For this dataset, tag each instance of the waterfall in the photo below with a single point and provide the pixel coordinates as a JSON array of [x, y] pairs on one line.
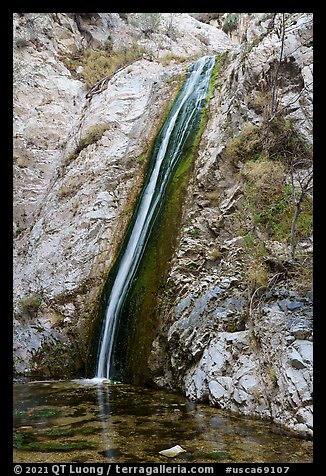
[[171, 142]]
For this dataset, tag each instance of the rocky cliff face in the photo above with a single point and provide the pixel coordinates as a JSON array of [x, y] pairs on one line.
[[79, 159], [235, 321], [237, 326]]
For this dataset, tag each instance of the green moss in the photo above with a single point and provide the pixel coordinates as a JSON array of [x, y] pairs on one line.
[[72, 431], [134, 338], [144, 296], [142, 158], [36, 414], [20, 442], [213, 455]]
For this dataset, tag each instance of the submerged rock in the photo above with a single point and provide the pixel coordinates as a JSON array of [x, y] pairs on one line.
[[174, 451]]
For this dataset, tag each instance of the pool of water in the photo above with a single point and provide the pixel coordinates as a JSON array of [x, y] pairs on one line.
[[83, 422]]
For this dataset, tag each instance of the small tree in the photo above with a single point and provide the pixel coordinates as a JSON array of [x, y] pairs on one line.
[[304, 179], [147, 22]]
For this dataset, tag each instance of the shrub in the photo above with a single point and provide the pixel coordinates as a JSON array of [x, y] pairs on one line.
[[271, 140], [93, 135], [257, 274], [214, 254], [256, 271], [30, 303], [269, 200], [246, 145], [194, 233], [100, 63], [213, 196], [266, 178], [230, 23], [169, 57]]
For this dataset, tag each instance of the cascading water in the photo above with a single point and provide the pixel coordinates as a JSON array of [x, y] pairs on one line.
[[173, 139]]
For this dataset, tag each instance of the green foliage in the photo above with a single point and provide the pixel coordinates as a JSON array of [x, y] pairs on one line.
[[19, 440], [269, 200], [231, 326], [246, 145], [230, 23], [57, 432], [215, 254], [194, 233], [20, 230], [147, 22], [142, 158], [256, 272], [264, 188], [30, 303], [267, 156]]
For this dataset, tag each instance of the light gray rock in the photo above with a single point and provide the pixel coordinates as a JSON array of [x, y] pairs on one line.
[[71, 208]]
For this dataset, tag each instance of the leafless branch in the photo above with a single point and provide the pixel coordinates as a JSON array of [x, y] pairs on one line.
[[289, 103], [274, 87]]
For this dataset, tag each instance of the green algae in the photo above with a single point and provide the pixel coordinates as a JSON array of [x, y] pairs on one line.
[[97, 314], [20, 441], [72, 431], [35, 414]]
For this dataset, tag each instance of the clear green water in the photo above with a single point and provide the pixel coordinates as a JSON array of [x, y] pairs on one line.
[[74, 421]]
